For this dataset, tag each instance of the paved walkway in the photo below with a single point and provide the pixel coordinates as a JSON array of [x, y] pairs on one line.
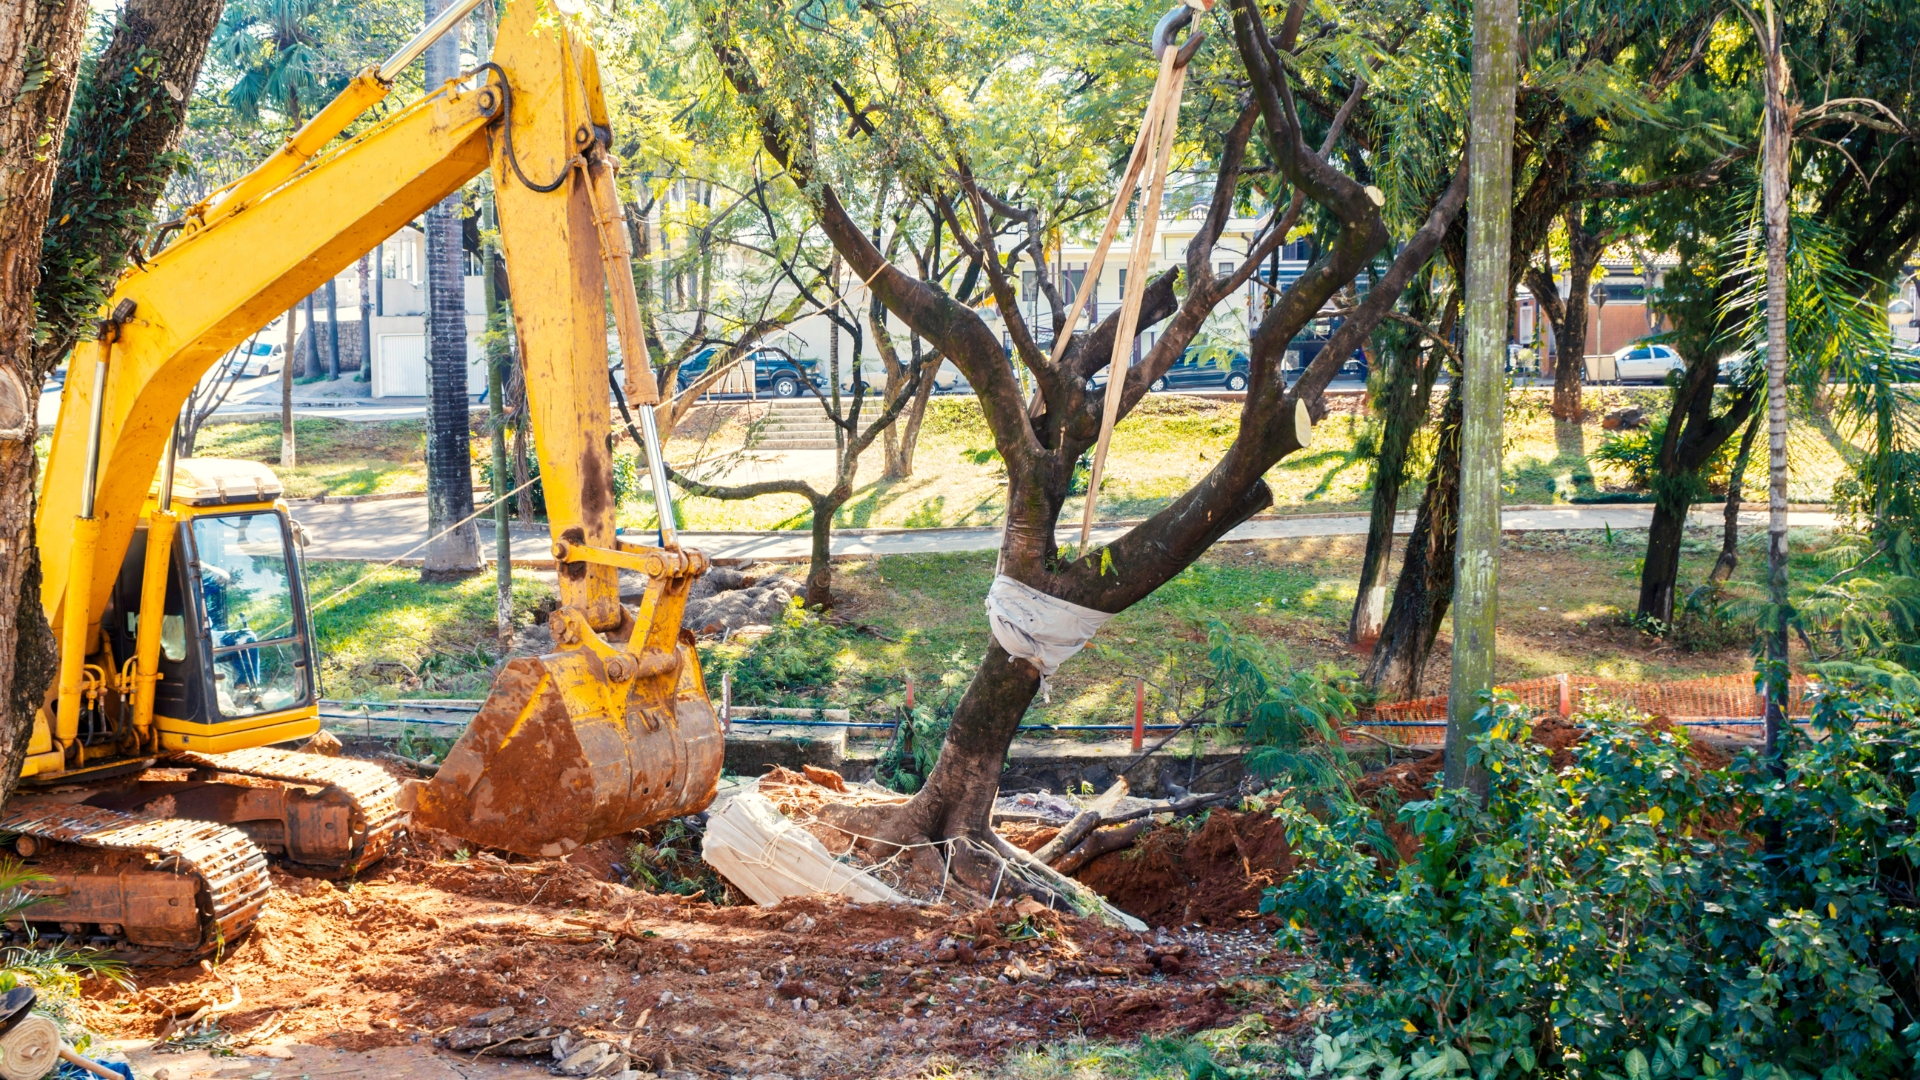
[[379, 530]]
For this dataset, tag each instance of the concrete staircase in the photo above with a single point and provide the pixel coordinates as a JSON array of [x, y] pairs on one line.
[[796, 424]]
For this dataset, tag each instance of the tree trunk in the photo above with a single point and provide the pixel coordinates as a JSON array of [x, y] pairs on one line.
[[497, 354], [820, 561], [1425, 587], [1693, 436], [1776, 152], [1569, 317], [900, 461], [365, 374], [333, 331], [1404, 406], [449, 439], [1488, 285], [127, 115], [287, 360], [449, 447], [1729, 559], [40, 46], [1660, 573], [310, 355]]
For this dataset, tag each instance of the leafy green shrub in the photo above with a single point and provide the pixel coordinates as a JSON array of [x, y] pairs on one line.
[[1709, 622], [1620, 918], [800, 656], [1290, 714], [1636, 452], [915, 746]]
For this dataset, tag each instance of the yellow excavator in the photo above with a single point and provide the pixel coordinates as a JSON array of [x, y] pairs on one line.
[[159, 776]]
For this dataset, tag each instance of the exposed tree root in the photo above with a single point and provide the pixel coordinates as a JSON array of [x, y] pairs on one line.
[[969, 868]]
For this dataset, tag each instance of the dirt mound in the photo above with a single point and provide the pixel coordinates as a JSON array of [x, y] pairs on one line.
[[1413, 781], [1028, 836], [812, 988], [1176, 875]]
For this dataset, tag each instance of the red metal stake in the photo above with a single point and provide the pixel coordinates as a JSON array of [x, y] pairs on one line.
[[1139, 712], [909, 691]]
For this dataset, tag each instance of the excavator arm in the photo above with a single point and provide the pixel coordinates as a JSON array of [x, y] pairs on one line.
[[611, 731]]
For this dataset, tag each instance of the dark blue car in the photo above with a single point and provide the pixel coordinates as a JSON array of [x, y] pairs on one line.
[[1206, 368], [774, 372]]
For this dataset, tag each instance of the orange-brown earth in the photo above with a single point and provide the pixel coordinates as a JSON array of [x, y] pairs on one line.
[[812, 988]]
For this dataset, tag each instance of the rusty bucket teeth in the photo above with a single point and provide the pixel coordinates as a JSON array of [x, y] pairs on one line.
[[562, 755]]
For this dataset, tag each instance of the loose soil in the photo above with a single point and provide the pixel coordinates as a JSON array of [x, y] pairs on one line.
[[1213, 875], [812, 988], [1210, 876]]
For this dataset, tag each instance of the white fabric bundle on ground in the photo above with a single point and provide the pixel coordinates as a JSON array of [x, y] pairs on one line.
[[769, 857], [1033, 626]]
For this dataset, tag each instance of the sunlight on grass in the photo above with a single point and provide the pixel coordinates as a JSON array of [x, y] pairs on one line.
[[396, 636]]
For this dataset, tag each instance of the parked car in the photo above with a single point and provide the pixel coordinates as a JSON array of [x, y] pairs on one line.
[[1647, 360], [1200, 368], [1306, 346], [774, 372], [256, 357], [1733, 366]]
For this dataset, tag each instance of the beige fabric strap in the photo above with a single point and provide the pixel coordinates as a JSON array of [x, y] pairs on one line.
[[1157, 133]]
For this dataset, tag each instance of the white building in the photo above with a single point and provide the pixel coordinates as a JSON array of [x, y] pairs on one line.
[[399, 319]]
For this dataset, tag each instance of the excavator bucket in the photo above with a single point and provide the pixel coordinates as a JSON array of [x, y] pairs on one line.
[[606, 734]]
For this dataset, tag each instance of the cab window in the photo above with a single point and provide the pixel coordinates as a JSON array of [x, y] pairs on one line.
[[246, 597]]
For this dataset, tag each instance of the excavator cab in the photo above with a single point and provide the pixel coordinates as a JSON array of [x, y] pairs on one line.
[[236, 654]]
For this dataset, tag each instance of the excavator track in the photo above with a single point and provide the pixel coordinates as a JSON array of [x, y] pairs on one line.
[[155, 890], [376, 817]]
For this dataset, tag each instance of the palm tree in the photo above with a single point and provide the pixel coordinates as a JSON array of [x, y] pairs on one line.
[[274, 49], [449, 451]]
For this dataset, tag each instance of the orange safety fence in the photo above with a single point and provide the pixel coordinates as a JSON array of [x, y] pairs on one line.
[[1694, 702]]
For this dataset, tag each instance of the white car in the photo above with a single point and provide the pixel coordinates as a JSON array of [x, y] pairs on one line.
[[1644, 361]]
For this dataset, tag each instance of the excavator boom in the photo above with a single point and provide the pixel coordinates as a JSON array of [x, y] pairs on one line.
[[610, 732]]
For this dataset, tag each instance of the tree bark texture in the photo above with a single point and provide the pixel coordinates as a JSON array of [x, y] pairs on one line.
[[1776, 159], [1693, 436], [1569, 317], [1425, 586], [310, 352], [287, 360], [1729, 560], [1489, 282], [365, 374], [333, 330], [118, 154], [449, 441], [449, 447], [40, 47], [1404, 404]]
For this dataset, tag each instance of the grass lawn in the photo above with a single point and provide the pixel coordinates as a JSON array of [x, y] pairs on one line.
[[334, 457], [1158, 452], [382, 633], [1564, 601]]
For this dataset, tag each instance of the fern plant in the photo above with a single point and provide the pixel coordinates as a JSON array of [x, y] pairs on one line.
[[1292, 715]]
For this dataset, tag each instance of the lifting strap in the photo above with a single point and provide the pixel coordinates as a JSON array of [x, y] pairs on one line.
[[1155, 145]]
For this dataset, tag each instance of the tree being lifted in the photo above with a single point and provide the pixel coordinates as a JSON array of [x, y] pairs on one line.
[[1047, 600]]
